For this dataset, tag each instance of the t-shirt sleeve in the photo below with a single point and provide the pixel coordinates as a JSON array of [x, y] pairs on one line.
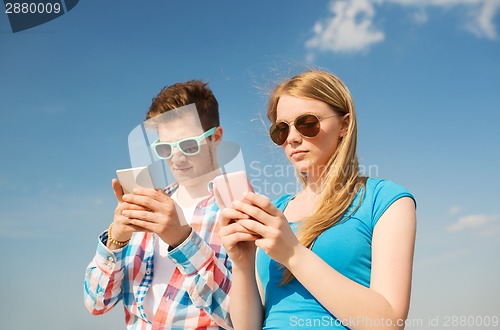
[[282, 201], [385, 193]]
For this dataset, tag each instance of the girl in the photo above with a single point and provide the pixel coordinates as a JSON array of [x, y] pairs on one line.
[[337, 254]]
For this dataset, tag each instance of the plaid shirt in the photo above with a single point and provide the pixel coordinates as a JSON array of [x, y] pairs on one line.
[[197, 294]]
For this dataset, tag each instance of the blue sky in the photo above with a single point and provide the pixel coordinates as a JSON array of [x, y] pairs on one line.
[[425, 76]]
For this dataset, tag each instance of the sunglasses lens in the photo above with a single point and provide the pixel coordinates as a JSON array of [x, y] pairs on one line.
[[279, 132], [190, 147], [164, 150], [307, 125]]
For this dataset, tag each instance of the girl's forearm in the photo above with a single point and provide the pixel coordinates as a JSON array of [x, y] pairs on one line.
[[245, 305], [360, 307]]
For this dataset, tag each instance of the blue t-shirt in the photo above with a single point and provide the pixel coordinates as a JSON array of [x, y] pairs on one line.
[[347, 247]]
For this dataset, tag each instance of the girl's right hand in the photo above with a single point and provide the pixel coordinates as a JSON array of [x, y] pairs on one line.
[[236, 239]]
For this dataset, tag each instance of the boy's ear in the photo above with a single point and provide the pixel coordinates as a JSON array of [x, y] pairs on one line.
[[217, 136]]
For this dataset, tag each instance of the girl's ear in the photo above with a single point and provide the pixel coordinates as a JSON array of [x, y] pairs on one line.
[[345, 120]]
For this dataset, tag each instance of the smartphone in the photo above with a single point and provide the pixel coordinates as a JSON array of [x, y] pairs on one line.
[[134, 177], [229, 187]]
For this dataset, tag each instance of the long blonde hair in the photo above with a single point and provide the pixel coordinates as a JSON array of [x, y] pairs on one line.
[[340, 179]]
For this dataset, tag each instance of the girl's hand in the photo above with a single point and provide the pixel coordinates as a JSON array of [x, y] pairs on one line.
[[236, 239], [277, 238]]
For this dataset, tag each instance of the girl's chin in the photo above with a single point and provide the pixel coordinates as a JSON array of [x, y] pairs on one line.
[[308, 169]]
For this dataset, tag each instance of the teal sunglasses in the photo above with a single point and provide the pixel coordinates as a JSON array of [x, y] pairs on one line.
[[189, 146]]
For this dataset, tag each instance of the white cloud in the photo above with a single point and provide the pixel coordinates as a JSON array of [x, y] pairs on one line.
[[420, 16], [490, 231], [482, 20], [455, 209], [480, 13], [477, 222], [351, 27], [349, 30]]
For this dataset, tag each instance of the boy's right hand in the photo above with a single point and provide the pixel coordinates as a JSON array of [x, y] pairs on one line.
[[122, 231]]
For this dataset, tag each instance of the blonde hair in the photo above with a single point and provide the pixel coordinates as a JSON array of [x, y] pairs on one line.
[[340, 178]]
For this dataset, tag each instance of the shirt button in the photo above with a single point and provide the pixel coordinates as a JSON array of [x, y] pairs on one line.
[[110, 258], [148, 272], [100, 293], [174, 260]]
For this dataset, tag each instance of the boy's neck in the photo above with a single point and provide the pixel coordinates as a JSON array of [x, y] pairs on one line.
[[196, 189]]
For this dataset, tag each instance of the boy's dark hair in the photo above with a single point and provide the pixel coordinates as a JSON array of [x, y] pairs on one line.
[[181, 94]]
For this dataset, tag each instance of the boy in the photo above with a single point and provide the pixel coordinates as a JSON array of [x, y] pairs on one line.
[[170, 273]]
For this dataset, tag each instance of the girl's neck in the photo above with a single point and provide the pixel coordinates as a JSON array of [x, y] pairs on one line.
[[308, 194], [313, 186]]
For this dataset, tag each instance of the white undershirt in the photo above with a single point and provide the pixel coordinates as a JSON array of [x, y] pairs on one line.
[[163, 267]]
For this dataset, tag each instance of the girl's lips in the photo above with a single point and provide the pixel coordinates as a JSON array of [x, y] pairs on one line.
[[298, 153]]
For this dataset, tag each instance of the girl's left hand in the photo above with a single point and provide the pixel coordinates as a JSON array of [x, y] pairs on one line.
[[278, 239]]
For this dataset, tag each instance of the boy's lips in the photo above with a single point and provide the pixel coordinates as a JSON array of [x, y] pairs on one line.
[[183, 169]]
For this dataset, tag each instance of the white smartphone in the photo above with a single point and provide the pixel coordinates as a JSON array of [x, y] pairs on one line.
[[230, 187], [131, 178]]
